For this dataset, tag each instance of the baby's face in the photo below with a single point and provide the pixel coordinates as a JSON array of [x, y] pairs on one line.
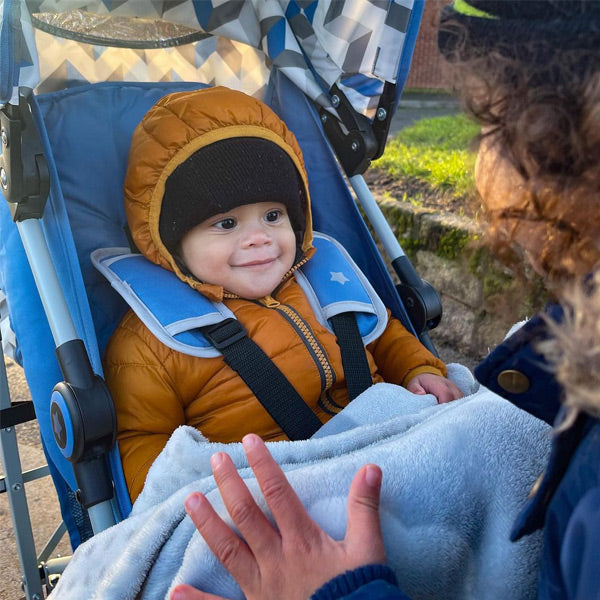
[[247, 250]]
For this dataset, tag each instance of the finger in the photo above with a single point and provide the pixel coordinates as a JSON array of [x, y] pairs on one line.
[[241, 506], [221, 539], [187, 592], [287, 509], [444, 396], [416, 388], [363, 533], [449, 393], [457, 393]]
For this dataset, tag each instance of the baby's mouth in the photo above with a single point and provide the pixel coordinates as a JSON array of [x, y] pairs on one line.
[[257, 263]]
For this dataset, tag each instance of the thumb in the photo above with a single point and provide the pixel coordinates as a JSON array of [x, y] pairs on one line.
[[363, 533]]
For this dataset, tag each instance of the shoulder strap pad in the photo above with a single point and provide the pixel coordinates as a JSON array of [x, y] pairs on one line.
[[150, 291], [334, 284]]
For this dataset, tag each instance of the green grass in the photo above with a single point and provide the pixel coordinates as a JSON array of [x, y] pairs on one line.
[[435, 151]]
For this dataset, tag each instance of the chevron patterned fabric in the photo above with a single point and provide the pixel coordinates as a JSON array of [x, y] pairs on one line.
[[316, 43]]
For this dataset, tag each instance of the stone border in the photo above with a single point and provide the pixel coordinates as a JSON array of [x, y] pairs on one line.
[[481, 298]]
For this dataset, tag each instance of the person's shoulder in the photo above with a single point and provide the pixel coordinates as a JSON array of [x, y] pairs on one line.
[[574, 518]]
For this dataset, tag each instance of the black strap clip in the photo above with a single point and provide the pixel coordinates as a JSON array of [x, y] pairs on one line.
[[224, 334]]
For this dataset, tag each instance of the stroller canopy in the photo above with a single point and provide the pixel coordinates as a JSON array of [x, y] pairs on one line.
[[357, 45]]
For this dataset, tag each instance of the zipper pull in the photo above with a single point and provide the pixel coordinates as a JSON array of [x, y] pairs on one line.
[[270, 302]]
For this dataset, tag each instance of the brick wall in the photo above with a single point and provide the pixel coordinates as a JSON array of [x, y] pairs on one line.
[[427, 68]]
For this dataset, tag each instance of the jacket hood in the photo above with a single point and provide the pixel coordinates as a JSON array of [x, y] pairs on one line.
[[574, 349], [172, 130]]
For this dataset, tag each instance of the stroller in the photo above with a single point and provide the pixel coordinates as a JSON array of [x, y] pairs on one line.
[[75, 79]]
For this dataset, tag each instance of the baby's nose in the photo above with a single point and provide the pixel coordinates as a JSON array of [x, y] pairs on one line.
[[256, 235]]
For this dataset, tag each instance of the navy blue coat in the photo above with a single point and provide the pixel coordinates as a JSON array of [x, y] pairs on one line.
[[566, 502]]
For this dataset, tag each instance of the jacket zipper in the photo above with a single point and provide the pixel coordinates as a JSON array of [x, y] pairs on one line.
[[307, 336]]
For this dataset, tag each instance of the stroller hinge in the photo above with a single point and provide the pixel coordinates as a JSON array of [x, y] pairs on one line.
[[383, 117], [421, 300], [354, 138], [84, 422], [24, 176]]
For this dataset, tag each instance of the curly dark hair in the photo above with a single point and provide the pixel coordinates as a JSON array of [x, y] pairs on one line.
[[539, 101]]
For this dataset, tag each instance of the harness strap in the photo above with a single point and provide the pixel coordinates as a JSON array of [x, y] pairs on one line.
[[267, 382], [354, 357]]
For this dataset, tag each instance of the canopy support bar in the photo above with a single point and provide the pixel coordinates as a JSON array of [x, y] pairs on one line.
[[420, 299]]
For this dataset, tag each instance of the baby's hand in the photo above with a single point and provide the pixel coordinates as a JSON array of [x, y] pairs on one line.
[[428, 383]]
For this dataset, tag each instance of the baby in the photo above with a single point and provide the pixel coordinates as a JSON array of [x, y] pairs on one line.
[[216, 192]]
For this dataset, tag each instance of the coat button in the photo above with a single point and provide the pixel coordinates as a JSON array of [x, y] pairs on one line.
[[513, 381]]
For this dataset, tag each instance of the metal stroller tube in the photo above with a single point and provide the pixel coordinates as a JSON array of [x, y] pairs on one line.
[[64, 333], [421, 301], [44, 273], [376, 218]]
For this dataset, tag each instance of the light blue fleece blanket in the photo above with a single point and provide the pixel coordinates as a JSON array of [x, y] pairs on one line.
[[455, 477]]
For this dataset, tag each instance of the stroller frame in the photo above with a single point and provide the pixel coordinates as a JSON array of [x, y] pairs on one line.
[[26, 188]]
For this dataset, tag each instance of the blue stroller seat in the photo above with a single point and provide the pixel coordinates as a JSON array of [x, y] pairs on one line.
[[84, 132]]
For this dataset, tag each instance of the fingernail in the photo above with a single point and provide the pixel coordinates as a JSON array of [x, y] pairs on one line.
[[250, 441], [178, 594], [216, 459], [192, 502], [373, 476]]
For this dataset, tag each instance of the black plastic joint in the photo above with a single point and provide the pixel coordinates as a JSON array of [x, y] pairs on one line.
[[83, 420], [420, 299], [84, 423], [94, 484], [351, 136], [75, 364], [24, 175], [422, 305], [383, 117], [81, 408]]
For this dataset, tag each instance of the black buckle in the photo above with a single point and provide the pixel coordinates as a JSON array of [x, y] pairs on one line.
[[224, 334]]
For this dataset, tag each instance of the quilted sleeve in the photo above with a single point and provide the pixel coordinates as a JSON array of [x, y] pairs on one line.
[[146, 400], [400, 356]]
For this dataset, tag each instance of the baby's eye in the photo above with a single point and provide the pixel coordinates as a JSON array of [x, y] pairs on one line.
[[274, 215], [225, 224]]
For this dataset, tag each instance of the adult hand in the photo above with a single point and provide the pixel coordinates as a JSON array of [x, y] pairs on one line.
[[293, 560], [428, 383]]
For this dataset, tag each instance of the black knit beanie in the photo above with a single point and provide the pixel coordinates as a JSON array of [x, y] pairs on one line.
[[511, 27], [227, 174]]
